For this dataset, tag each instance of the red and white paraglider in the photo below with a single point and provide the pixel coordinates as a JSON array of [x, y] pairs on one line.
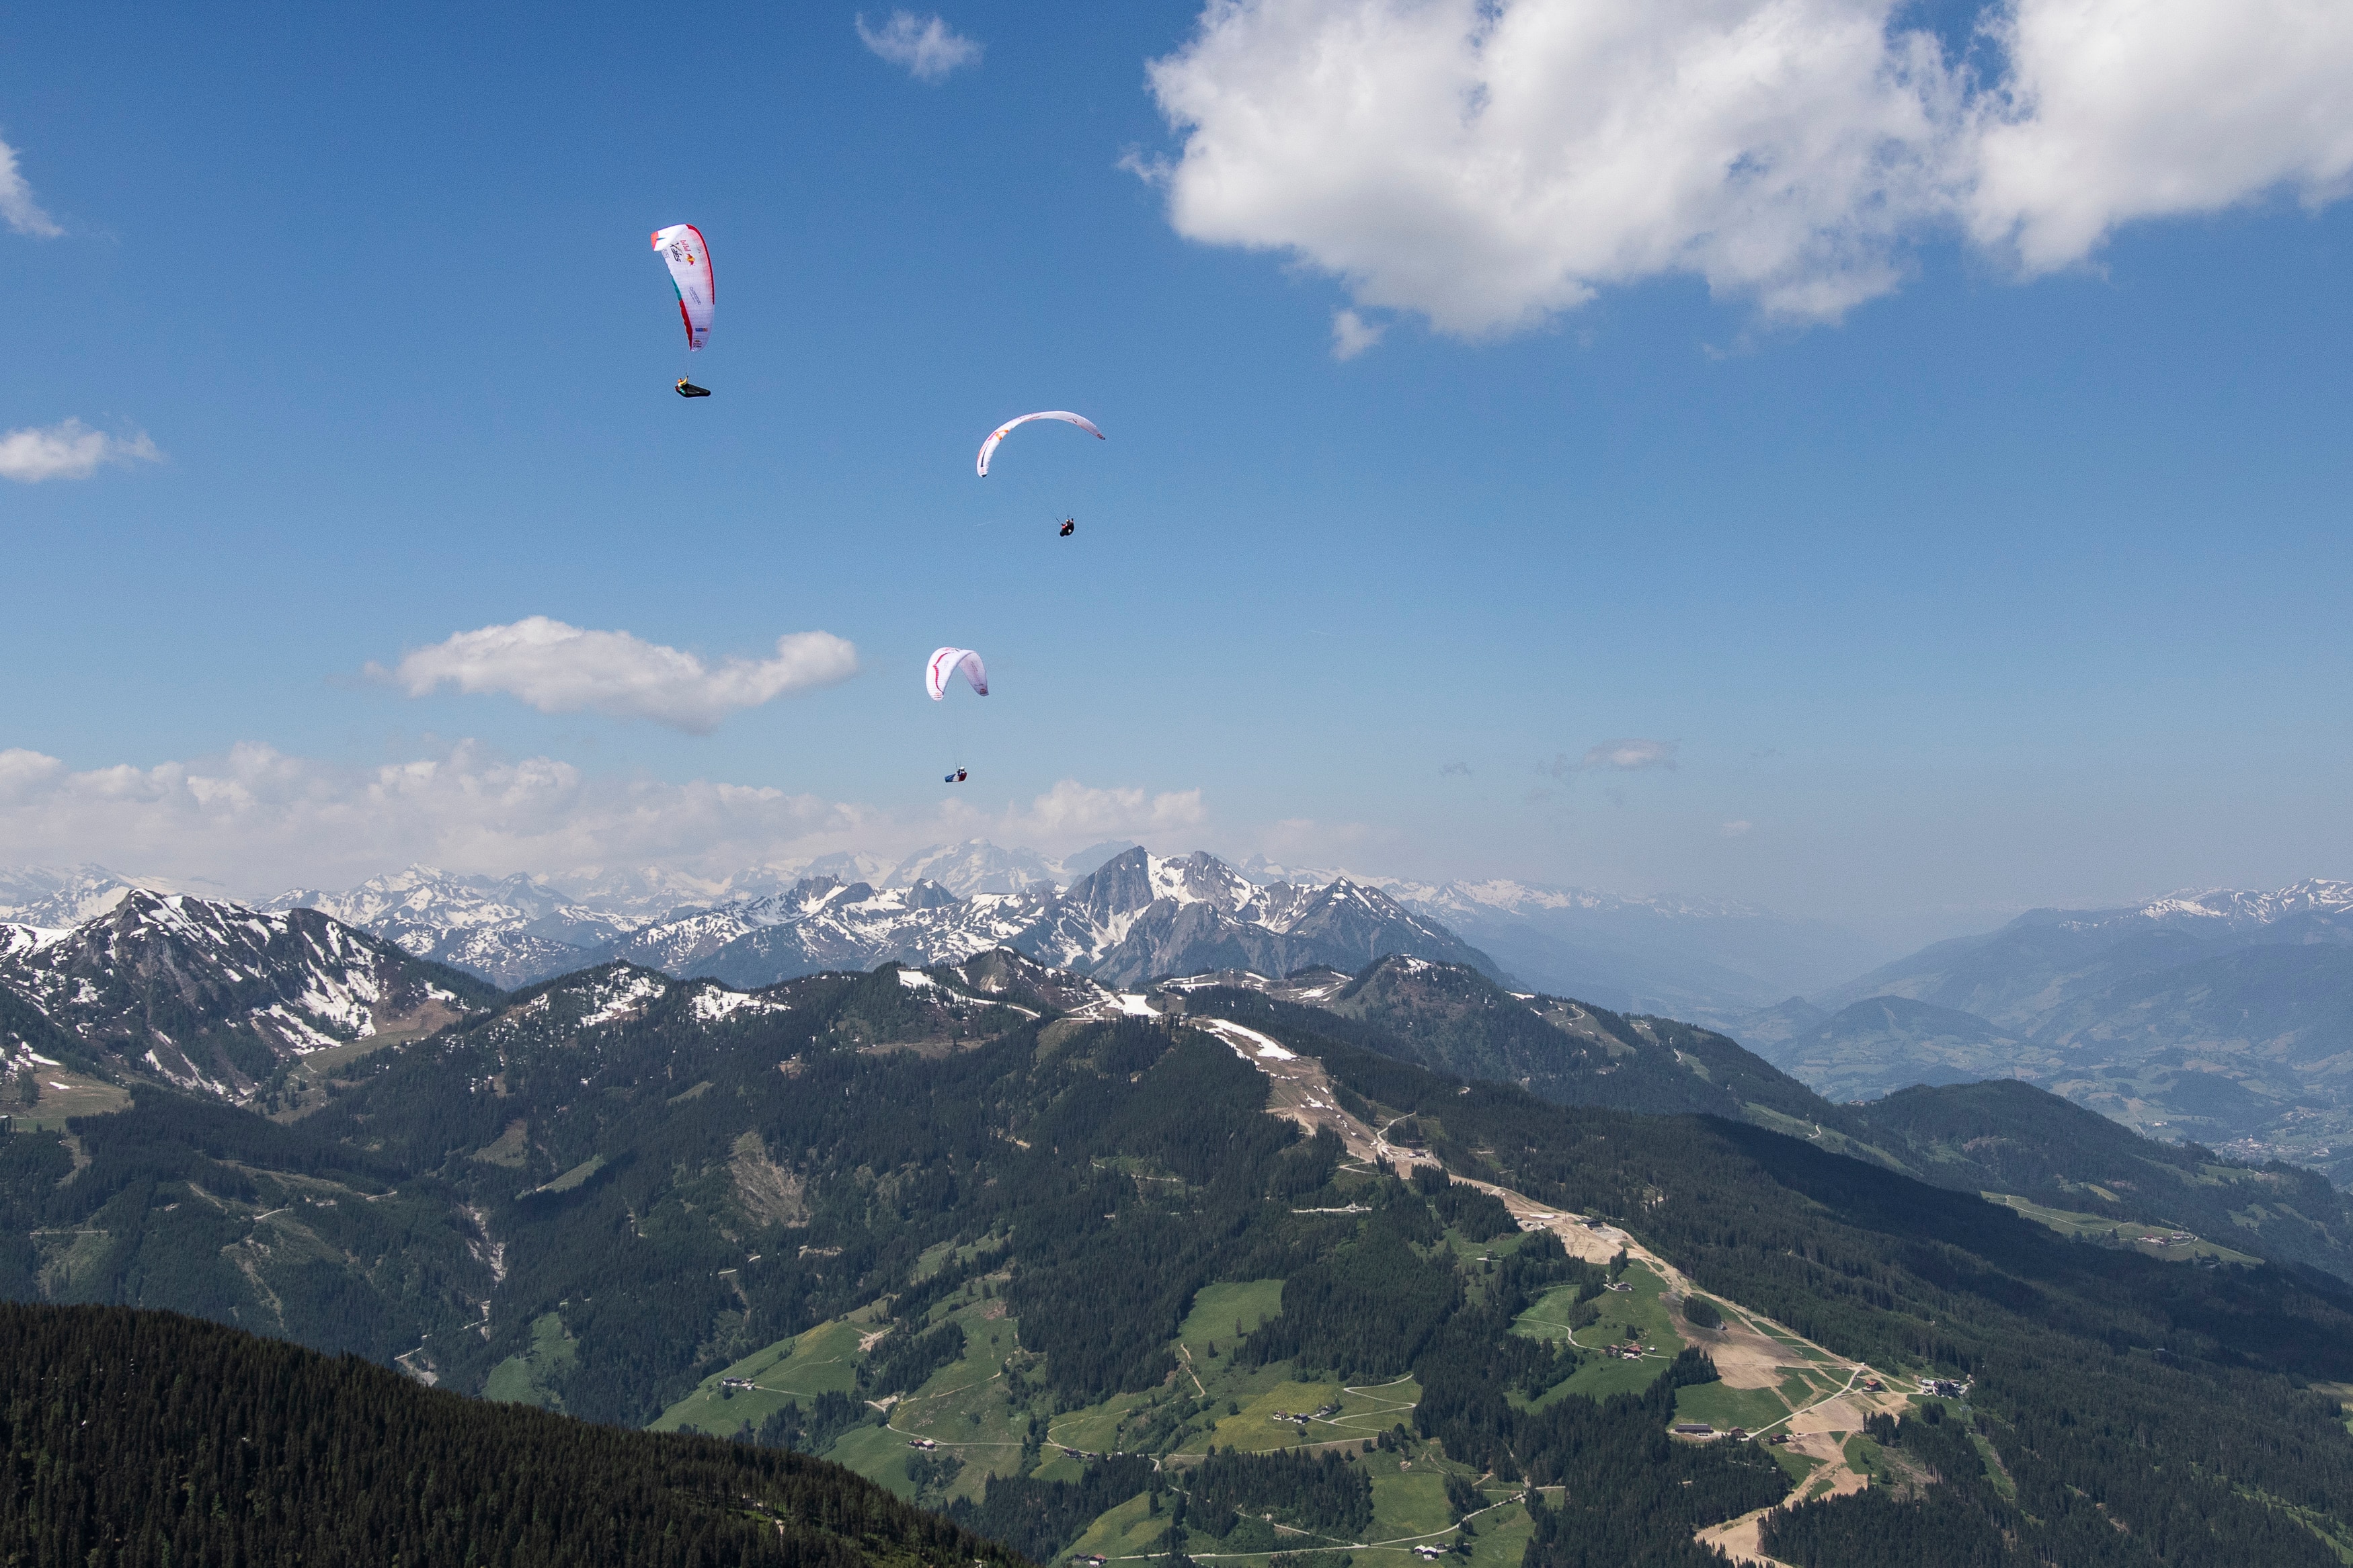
[[950, 662], [940, 672], [988, 447], [1070, 525], [682, 248]]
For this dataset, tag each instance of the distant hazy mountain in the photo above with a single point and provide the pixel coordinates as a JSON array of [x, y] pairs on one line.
[[2221, 1016], [56, 896], [2019, 974], [509, 931], [977, 865], [1704, 960], [1881, 1044]]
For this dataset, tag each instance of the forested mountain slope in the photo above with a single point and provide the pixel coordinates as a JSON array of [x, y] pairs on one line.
[[2102, 1383], [1010, 1213], [1454, 1019], [145, 1439], [2083, 1171]]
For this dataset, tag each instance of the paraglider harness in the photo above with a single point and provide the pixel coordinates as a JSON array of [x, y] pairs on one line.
[[1070, 526], [955, 777], [688, 389]]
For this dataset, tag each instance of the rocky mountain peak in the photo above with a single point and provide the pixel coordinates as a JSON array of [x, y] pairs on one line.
[[216, 995]]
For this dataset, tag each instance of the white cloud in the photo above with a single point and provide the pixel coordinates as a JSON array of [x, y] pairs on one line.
[[67, 449], [1491, 162], [926, 45], [1630, 755], [560, 668], [1073, 813], [1352, 334], [257, 820], [1735, 829], [17, 207], [2119, 109]]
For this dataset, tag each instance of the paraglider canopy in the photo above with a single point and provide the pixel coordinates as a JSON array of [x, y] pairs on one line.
[[988, 446], [944, 665], [681, 250]]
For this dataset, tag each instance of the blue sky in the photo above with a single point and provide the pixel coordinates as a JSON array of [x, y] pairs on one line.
[[1999, 588]]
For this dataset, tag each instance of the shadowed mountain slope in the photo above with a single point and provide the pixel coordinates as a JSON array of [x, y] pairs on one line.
[[162, 1439]]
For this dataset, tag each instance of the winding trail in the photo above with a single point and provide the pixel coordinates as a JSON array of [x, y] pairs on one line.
[[1750, 1352]]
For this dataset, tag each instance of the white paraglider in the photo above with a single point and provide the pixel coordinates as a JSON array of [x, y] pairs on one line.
[[946, 663], [682, 250], [988, 447]]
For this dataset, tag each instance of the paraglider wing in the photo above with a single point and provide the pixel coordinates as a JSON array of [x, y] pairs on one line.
[[688, 260], [946, 662], [988, 446]]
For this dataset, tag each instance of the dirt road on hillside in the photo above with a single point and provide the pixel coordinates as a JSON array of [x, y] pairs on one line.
[[1750, 1352]]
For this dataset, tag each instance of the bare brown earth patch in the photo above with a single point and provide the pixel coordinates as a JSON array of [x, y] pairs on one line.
[[769, 1193]]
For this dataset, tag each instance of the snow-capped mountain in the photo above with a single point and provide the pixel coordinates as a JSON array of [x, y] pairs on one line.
[[516, 929], [1706, 960], [1134, 917], [825, 923], [216, 996], [1113, 909], [2323, 903], [58, 896], [1138, 917], [511, 932], [975, 866]]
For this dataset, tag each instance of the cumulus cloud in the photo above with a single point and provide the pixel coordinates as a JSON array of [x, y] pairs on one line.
[[258, 820], [17, 207], [1630, 756], [1488, 164], [2119, 109], [561, 669], [68, 450], [1352, 334], [1073, 813], [926, 45]]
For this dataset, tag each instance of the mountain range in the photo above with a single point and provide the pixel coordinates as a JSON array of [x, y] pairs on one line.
[[1708, 961], [1354, 1259], [269, 1009], [2225, 1017], [2221, 1017]]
